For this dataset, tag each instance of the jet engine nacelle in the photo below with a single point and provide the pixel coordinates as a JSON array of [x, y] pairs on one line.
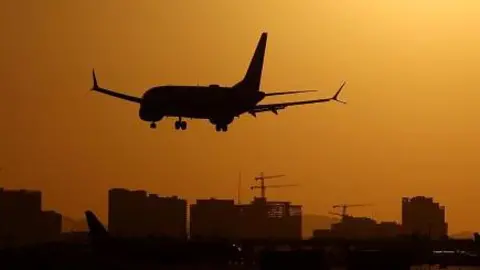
[[150, 115], [221, 121]]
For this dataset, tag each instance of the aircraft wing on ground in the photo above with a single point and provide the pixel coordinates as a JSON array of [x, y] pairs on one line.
[[274, 107], [111, 92]]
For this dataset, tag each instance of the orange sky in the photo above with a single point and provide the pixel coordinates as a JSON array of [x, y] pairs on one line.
[[410, 127]]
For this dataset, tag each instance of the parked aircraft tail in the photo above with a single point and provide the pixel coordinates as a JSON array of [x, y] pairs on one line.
[[252, 79], [96, 230]]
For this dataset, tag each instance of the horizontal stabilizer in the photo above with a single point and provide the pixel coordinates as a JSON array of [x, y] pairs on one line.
[[288, 93], [275, 107]]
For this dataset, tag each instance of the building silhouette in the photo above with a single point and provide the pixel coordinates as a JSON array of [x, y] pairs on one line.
[[355, 227], [167, 216], [422, 216], [214, 219], [388, 229], [260, 219], [360, 228], [270, 219], [23, 221], [138, 214]]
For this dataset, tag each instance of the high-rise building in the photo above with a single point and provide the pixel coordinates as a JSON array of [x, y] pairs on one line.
[[262, 219], [126, 212], [423, 217], [167, 216], [136, 214], [214, 218], [23, 221]]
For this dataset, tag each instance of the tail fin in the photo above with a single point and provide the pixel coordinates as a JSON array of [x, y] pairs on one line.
[[253, 77], [96, 230]]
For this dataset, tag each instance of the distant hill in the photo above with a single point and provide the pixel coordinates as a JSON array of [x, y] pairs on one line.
[[70, 225], [309, 223], [462, 235], [315, 222]]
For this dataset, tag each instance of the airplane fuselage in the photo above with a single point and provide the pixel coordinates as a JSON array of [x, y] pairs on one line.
[[215, 103]]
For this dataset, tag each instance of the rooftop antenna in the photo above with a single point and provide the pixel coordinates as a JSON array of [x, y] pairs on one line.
[[239, 188]]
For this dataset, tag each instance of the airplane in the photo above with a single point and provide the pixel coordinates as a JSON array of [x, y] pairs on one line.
[[218, 104], [157, 250]]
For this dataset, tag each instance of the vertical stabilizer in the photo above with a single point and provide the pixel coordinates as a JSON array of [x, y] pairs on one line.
[[96, 230], [252, 79]]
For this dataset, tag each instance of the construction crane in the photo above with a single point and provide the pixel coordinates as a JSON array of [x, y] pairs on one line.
[[264, 188], [345, 207], [262, 185]]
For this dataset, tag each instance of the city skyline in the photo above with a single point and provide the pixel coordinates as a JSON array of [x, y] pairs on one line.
[[409, 126], [119, 194]]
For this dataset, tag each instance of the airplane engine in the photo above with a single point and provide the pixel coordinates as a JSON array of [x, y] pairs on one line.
[[221, 121], [150, 115], [221, 124]]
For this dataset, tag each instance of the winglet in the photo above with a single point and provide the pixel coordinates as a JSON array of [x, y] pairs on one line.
[[95, 83], [335, 97]]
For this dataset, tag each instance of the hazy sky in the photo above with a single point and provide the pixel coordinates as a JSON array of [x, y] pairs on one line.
[[410, 127]]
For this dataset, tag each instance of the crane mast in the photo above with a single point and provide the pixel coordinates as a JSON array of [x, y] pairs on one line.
[[261, 178]]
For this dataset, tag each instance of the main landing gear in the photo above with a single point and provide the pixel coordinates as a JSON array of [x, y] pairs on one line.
[[221, 123], [180, 124], [221, 128]]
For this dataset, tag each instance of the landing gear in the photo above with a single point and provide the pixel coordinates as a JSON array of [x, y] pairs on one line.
[[220, 128], [153, 125], [180, 124], [221, 123]]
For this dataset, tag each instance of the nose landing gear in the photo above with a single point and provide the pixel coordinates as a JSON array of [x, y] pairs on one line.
[[153, 125]]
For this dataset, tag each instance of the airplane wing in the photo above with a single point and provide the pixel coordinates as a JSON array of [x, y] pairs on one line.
[[111, 92], [274, 107]]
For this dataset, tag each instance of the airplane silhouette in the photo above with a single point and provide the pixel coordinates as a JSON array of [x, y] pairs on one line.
[[158, 250], [218, 104]]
